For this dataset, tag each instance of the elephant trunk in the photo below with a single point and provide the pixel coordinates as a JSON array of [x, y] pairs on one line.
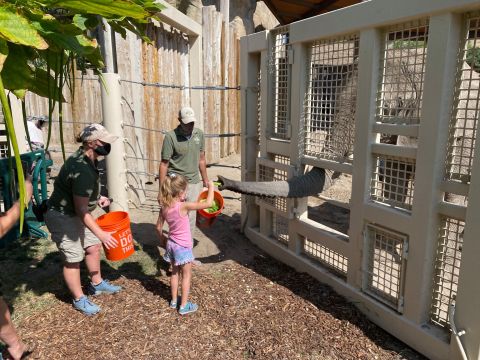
[[312, 183]]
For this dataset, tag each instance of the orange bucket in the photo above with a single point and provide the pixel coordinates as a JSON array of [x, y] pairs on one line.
[[118, 223], [204, 218]]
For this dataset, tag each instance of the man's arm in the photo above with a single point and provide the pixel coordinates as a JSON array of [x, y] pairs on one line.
[[202, 166], [162, 172]]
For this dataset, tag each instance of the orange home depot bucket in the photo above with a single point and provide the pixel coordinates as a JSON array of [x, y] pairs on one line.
[[118, 223], [204, 218]]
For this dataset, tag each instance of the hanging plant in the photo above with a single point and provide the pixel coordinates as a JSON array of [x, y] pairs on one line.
[[39, 41]]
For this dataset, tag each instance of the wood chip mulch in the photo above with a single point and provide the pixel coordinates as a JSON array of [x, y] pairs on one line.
[[260, 310]]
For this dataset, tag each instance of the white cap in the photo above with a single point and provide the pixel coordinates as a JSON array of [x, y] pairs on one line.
[[186, 115], [97, 132]]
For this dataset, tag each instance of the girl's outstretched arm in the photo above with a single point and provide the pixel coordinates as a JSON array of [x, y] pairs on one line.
[[200, 205]]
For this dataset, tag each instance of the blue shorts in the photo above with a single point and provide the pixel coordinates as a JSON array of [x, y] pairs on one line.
[[177, 255]]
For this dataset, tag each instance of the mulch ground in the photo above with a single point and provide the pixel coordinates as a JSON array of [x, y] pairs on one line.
[[263, 310]]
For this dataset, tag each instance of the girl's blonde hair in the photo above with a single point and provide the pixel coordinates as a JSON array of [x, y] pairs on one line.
[[171, 188]]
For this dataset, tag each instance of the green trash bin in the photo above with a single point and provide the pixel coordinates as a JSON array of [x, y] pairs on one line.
[[37, 162]]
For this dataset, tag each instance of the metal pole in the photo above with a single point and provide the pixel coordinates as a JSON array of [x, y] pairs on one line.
[[112, 119], [107, 46]]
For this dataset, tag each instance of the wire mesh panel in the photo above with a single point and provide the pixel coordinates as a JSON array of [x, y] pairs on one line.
[[447, 269], [463, 122], [268, 172], [385, 265], [335, 262], [280, 228], [279, 71], [331, 98], [403, 72], [393, 181]]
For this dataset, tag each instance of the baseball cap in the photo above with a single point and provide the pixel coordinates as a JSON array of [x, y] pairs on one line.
[[96, 132], [187, 115]]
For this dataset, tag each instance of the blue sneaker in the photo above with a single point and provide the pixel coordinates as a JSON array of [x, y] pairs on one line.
[[103, 288], [85, 306], [188, 308]]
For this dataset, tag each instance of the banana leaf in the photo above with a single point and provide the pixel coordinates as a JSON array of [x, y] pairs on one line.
[[16, 29], [109, 9]]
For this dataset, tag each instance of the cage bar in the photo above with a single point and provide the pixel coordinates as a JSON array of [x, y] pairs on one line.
[[403, 71], [447, 269], [279, 70], [280, 228], [463, 122], [393, 181], [333, 261], [331, 98], [384, 267]]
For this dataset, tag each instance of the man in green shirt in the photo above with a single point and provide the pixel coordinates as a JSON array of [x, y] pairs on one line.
[[183, 152]]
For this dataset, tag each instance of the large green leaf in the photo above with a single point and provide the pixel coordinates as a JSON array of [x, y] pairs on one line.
[[3, 52], [47, 24], [16, 72], [86, 22], [16, 29], [112, 9], [18, 76]]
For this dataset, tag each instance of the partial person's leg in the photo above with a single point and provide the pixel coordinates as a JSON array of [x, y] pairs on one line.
[[71, 275], [67, 233], [8, 334], [186, 282], [92, 260], [192, 196], [174, 282]]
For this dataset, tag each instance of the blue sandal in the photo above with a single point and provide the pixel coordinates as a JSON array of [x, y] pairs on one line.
[[188, 308]]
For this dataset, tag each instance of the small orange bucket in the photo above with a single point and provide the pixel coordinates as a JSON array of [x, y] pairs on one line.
[[118, 223], [204, 218]]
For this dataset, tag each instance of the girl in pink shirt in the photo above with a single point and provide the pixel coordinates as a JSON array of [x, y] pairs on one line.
[[174, 210]]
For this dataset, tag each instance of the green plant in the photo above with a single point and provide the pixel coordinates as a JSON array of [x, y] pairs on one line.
[[472, 58], [40, 40]]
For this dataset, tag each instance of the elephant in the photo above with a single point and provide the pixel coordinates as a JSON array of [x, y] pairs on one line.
[[337, 84]]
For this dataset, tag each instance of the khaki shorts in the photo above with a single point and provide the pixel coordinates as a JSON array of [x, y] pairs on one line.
[[70, 234]]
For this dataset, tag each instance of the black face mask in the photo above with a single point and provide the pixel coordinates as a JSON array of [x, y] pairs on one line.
[[103, 150]]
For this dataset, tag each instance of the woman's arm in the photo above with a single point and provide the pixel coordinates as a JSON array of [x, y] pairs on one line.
[[11, 216], [81, 208], [9, 219]]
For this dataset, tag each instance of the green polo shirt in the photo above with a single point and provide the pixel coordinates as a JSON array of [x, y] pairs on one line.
[[78, 176], [183, 153]]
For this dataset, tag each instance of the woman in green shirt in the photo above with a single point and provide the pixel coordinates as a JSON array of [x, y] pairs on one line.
[[69, 217]]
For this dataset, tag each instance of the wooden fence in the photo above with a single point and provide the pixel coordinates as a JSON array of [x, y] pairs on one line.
[[155, 84]]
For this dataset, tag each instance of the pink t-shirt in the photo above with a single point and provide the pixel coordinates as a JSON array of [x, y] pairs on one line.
[[178, 225]]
